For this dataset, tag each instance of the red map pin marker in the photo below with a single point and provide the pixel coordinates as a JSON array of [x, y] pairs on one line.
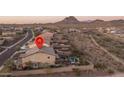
[[39, 41]]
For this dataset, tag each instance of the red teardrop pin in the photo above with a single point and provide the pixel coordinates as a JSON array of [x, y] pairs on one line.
[[39, 41]]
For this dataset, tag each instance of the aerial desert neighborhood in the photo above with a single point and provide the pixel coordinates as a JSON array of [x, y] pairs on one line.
[[66, 48]]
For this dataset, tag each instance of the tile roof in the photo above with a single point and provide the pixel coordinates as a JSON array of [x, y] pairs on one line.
[[47, 50]]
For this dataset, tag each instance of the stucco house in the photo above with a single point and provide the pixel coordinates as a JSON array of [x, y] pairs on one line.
[[47, 36], [35, 55], [8, 33]]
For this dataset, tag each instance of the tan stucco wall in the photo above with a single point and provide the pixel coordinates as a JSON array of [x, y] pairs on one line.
[[8, 33], [40, 57]]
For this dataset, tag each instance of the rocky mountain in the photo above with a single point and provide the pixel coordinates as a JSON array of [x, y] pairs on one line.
[[91, 23], [69, 20]]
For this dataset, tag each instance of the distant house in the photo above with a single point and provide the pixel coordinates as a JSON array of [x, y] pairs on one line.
[[113, 31], [119, 32], [23, 47], [73, 30], [47, 36], [35, 55], [8, 37], [64, 41], [64, 53], [38, 29], [18, 29], [8, 33]]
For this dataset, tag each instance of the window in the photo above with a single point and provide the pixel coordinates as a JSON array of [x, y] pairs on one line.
[[49, 57]]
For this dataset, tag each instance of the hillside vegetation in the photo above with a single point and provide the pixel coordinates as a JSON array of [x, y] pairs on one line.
[[89, 52], [114, 46]]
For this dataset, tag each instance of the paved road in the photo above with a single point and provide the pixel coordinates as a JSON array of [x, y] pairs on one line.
[[8, 52]]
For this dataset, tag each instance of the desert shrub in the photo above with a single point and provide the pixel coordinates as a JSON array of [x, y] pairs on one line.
[[77, 71], [83, 60], [17, 48], [8, 66], [110, 71], [100, 66], [121, 69]]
